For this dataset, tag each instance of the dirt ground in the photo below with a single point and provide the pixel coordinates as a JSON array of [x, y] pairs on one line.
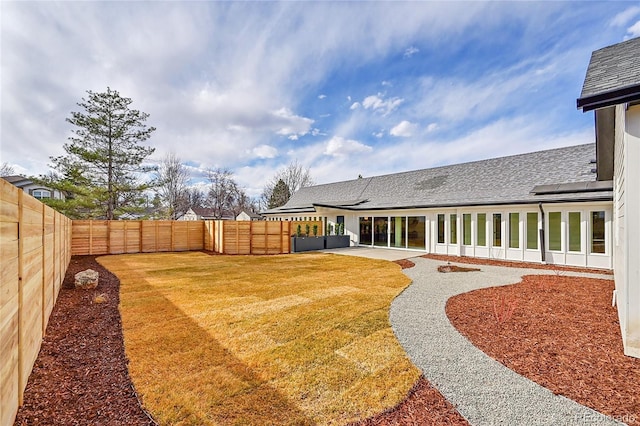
[[81, 378]]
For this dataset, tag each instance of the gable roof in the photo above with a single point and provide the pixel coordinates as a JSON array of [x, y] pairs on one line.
[[613, 76], [562, 174]]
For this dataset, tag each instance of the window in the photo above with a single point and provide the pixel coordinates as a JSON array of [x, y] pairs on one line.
[[380, 227], [514, 230], [416, 232], [555, 231], [365, 231], [597, 232], [339, 219], [574, 232], [453, 228], [497, 230], [532, 230], [397, 230], [41, 193], [440, 229], [466, 229], [482, 229]]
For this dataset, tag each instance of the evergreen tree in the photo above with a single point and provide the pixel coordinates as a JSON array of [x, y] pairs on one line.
[[280, 194], [101, 174]]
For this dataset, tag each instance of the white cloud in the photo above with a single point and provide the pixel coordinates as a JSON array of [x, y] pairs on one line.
[[378, 134], [403, 129], [339, 147], [379, 104], [409, 52], [322, 96], [354, 106], [623, 18], [265, 151], [633, 31]]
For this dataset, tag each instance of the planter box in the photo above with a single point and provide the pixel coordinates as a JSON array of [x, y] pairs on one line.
[[299, 244], [336, 241]]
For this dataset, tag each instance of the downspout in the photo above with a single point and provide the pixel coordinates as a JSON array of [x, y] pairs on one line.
[[542, 247]]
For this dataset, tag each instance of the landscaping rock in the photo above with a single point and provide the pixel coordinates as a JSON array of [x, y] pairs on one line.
[[86, 279]]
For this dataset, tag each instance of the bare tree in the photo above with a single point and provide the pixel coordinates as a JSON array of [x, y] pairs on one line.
[[223, 192], [294, 176], [6, 169], [172, 178]]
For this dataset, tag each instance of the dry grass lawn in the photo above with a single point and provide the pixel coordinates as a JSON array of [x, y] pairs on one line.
[[292, 339]]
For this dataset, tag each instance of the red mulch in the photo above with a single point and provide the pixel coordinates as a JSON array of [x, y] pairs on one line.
[[80, 376], [560, 332], [455, 268], [405, 263], [512, 264]]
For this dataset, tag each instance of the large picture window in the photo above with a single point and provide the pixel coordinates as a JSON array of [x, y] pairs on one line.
[[598, 243], [482, 229], [380, 229], [514, 230], [440, 229], [575, 244], [555, 231], [365, 231], [416, 232], [398, 230], [466, 229], [532, 230]]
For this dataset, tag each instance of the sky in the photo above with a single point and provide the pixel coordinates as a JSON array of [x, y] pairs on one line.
[[343, 88]]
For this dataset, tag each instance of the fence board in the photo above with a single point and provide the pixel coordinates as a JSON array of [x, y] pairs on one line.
[[35, 251]]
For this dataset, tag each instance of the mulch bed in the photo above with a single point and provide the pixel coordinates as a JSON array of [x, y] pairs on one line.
[[405, 263], [455, 268], [560, 332], [512, 264], [80, 376]]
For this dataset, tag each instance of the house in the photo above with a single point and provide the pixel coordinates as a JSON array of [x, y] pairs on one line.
[[612, 90], [198, 213], [35, 190], [545, 206], [247, 216]]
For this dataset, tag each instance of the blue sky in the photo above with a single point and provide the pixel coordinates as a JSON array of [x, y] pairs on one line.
[[344, 88]]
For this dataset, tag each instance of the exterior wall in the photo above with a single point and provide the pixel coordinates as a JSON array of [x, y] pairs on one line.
[[519, 252], [189, 215], [627, 225]]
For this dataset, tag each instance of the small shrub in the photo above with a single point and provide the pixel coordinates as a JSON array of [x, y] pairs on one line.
[[307, 228], [299, 231], [315, 230], [341, 229], [503, 308]]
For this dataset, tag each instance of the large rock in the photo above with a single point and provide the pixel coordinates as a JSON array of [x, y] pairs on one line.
[[87, 279]]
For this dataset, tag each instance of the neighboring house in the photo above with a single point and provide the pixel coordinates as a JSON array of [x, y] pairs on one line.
[[35, 190], [246, 216], [542, 206], [612, 90], [198, 213]]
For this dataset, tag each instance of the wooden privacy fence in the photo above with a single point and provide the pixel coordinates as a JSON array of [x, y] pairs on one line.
[[257, 237], [135, 236], [35, 250], [148, 236]]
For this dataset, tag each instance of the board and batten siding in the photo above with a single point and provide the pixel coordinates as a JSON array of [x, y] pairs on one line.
[[627, 225]]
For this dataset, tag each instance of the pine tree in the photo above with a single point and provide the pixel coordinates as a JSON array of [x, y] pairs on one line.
[[280, 194], [102, 173]]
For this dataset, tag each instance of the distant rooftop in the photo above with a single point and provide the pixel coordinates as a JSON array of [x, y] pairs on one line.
[[557, 175], [613, 76]]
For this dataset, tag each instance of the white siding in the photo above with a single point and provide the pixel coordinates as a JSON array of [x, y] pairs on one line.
[[627, 225]]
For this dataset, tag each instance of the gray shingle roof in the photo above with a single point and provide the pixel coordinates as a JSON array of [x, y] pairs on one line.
[[506, 180], [613, 76]]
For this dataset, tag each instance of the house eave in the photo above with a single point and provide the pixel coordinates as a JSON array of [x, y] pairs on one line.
[[611, 98]]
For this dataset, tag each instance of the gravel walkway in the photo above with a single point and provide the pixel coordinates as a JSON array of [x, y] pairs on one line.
[[484, 391]]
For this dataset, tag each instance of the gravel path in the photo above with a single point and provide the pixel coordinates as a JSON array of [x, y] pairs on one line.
[[484, 391]]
